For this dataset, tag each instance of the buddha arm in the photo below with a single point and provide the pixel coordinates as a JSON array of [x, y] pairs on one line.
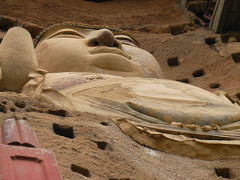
[[17, 59]]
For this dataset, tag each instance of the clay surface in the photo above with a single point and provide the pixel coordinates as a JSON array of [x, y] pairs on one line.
[[100, 147]]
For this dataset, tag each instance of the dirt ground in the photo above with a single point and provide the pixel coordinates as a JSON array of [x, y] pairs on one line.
[[123, 13], [100, 150]]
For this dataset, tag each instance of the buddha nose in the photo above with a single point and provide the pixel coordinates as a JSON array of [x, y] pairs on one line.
[[103, 37]]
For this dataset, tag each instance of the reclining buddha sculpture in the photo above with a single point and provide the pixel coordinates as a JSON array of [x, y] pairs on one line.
[[86, 69]]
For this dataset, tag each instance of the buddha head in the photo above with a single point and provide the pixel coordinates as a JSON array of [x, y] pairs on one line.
[[71, 48]]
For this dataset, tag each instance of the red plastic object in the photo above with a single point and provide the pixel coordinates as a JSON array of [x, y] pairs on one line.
[[21, 163], [18, 133], [20, 159]]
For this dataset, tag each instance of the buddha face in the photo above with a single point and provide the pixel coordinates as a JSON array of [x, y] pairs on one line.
[[98, 51]]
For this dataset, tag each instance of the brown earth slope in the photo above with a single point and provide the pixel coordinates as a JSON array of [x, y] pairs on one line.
[[101, 151], [122, 13]]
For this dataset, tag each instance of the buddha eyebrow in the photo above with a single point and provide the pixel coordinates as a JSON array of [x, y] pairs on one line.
[[73, 33], [67, 32]]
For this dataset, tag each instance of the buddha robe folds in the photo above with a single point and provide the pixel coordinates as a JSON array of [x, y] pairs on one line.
[[163, 114]]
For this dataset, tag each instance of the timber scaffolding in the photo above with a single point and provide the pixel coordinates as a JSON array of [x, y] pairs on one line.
[[210, 9], [219, 15]]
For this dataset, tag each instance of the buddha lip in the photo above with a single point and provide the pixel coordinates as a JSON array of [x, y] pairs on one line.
[[104, 49]]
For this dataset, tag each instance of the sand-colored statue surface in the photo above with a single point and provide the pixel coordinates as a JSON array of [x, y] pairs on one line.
[[97, 71]]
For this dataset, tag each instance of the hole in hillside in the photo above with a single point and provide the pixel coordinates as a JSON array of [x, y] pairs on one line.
[[4, 102], [214, 85], [152, 52], [102, 145], [61, 113], [178, 29], [173, 61], [3, 109], [80, 170], [198, 73], [20, 104], [1, 40], [223, 172], [210, 41], [12, 109], [183, 80], [104, 123], [238, 95], [65, 131], [236, 57]]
